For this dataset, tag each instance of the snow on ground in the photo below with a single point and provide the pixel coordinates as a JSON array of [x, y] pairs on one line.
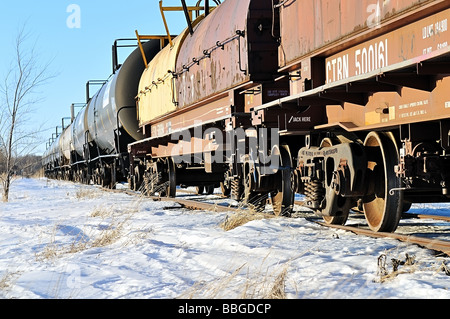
[[61, 240]]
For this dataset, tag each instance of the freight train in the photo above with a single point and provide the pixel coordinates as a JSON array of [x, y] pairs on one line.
[[346, 102]]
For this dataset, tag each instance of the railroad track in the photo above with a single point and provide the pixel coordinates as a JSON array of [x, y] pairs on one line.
[[198, 205], [185, 203], [440, 246]]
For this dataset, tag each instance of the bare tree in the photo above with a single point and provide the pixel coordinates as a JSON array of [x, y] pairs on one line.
[[18, 95]]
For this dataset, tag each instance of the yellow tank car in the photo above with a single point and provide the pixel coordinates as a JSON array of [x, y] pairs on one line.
[[157, 91]]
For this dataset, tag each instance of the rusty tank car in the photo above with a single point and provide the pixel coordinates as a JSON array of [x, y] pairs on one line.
[[377, 75], [343, 102], [196, 91]]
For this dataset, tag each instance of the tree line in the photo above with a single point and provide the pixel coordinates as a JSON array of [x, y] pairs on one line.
[[26, 166]]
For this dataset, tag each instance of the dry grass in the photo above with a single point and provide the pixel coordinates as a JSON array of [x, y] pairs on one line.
[[256, 284], [38, 174], [241, 218], [7, 281], [50, 252], [212, 289], [87, 193], [265, 285], [110, 234], [278, 290], [112, 226]]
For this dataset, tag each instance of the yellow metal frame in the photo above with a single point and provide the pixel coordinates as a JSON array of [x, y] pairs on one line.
[[161, 38], [169, 37], [163, 9]]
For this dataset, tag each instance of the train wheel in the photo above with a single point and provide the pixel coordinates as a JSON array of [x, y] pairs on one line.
[[226, 185], [382, 209], [137, 179], [199, 190], [283, 198], [209, 189], [340, 219], [133, 183], [225, 188], [255, 201], [104, 176], [171, 189]]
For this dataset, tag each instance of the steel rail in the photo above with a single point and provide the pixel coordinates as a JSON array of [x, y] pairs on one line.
[[435, 217], [185, 203], [429, 243], [196, 205]]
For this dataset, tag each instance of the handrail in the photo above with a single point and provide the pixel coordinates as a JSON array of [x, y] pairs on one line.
[[188, 11], [161, 38]]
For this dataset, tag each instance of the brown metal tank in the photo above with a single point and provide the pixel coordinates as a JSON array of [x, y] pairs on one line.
[[230, 47], [314, 26]]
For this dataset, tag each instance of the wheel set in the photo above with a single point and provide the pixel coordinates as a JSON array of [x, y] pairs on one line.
[[341, 174]]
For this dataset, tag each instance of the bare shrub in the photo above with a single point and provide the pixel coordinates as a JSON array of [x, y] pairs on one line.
[[18, 92]]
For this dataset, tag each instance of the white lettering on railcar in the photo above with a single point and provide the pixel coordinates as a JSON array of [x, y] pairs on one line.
[[433, 29], [367, 58], [300, 119], [337, 69], [371, 58]]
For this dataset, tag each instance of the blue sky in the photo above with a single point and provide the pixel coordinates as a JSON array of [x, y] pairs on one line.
[[76, 54]]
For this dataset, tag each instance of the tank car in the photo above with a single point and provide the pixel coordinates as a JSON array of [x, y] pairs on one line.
[[376, 76], [79, 154], [52, 159], [196, 94], [65, 148], [94, 146], [110, 121]]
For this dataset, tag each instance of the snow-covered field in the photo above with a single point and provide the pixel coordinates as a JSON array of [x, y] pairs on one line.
[[61, 240]]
